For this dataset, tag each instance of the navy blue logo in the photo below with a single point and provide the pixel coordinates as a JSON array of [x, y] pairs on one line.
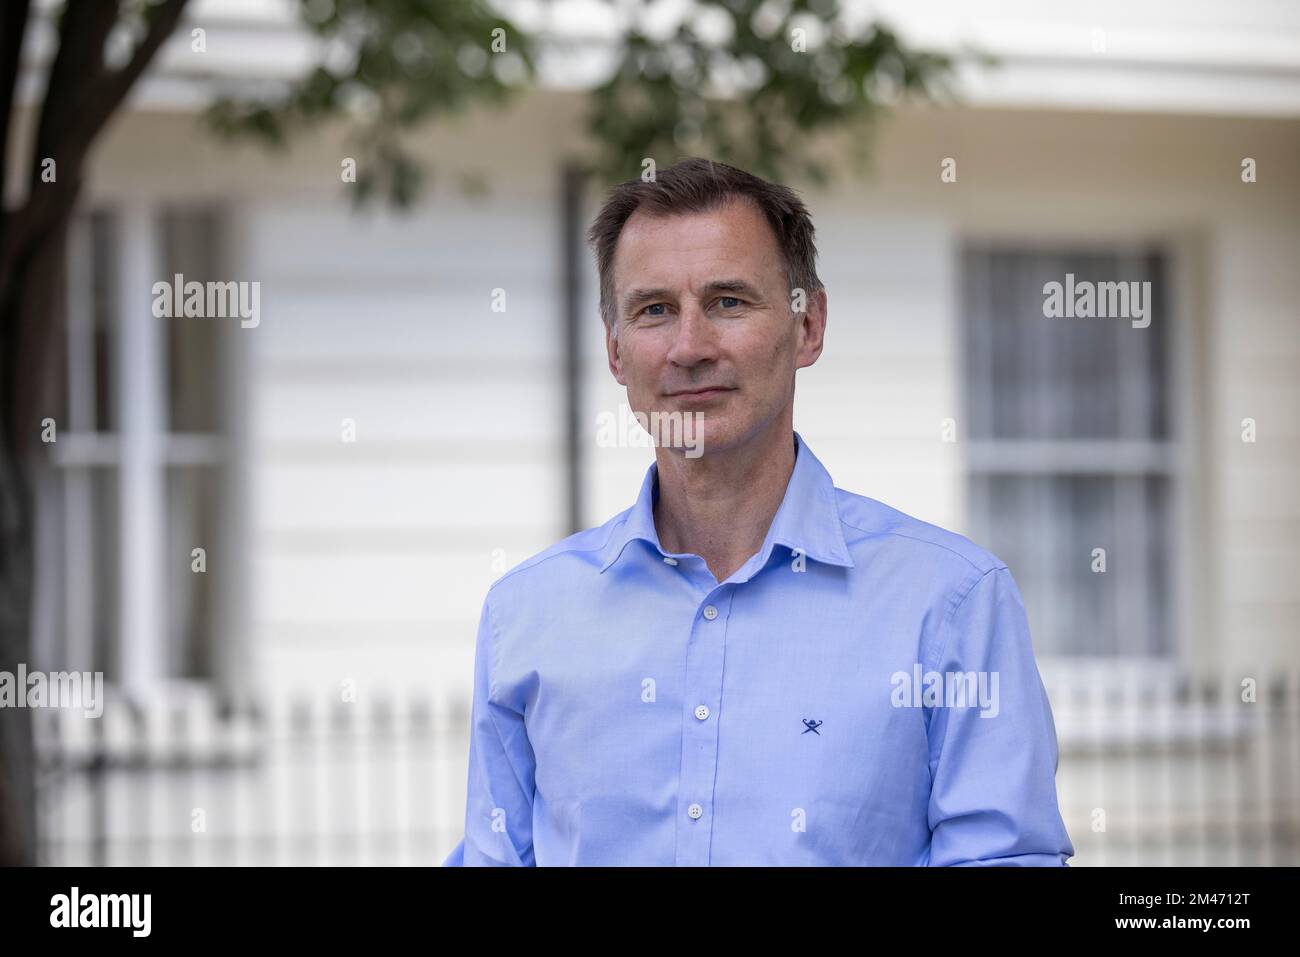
[[811, 725]]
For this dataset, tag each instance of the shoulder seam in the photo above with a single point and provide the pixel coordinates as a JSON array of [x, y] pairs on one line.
[[924, 541], [494, 649], [952, 612], [526, 565]]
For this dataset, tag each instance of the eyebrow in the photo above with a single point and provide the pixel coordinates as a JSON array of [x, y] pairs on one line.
[[640, 297]]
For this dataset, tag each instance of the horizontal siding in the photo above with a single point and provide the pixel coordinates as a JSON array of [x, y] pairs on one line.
[[466, 495], [373, 556], [1254, 291], [1259, 573], [358, 589], [500, 239], [370, 321], [520, 414]]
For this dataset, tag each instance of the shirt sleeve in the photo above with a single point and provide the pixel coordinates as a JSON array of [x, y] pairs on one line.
[[993, 763], [502, 768]]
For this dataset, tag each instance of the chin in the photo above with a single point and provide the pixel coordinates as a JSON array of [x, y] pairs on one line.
[[716, 434]]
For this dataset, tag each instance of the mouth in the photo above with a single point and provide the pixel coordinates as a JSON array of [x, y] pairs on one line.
[[699, 395]]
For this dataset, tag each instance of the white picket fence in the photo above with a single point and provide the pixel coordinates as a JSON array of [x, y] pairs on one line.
[[1160, 768], [291, 783], [1155, 769]]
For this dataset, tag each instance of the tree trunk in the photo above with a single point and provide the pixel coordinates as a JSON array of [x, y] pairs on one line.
[[81, 95], [17, 759], [31, 313]]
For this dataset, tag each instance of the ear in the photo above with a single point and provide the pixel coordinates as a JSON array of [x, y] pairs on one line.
[[811, 333], [611, 347]]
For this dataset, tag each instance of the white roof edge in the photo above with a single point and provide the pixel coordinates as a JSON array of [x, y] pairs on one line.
[[1040, 66]]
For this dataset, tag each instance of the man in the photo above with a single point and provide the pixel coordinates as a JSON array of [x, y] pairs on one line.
[[749, 665]]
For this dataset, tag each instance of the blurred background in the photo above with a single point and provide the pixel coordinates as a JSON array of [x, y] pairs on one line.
[[416, 410]]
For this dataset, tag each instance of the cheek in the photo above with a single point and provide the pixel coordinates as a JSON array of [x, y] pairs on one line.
[[639, 365], [766, 356]]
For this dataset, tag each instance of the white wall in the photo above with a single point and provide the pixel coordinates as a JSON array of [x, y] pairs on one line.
[[370, 560]]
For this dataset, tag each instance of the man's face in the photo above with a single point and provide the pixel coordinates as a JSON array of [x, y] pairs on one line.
[[701, 303]]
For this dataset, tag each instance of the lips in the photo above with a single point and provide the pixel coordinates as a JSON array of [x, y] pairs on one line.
[[700, 393]]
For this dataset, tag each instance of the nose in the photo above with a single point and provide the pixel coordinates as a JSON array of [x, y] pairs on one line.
[[695, 339]]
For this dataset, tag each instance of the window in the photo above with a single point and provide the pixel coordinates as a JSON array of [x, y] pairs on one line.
[[1072, 448], [136, 476]]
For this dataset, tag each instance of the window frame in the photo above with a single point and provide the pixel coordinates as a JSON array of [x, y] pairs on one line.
[[1193, 609], [140, 449]]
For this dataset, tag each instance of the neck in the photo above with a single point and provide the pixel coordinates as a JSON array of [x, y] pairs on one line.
[[720, 505]]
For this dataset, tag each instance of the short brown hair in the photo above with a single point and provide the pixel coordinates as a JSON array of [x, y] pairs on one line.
[[696, 185]]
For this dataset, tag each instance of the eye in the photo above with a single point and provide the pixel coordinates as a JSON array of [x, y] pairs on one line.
[[657, 305], [726, 299]]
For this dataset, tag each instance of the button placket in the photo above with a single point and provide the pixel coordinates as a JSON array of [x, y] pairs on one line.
[[704, 662]]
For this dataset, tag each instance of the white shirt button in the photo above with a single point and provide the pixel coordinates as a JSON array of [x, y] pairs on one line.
[[701, 711], [669, 560], [710, 612], [695, 811]]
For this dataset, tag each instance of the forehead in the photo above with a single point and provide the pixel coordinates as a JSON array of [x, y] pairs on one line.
[[685, 247]]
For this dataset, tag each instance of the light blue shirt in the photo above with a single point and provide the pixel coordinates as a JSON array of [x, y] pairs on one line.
[[862, 691]]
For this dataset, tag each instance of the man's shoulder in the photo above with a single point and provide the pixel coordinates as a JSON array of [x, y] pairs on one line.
[[549, 567], [869, 523]]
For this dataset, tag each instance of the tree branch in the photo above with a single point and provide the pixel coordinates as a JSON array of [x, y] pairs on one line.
[[78, 65], [84, 27], [80, 98], [106, 96], [13, 28]]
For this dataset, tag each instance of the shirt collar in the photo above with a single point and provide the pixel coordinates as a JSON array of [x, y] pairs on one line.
[[808, 519]]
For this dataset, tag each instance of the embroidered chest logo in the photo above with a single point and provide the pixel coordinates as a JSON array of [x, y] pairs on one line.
[[811, 725]]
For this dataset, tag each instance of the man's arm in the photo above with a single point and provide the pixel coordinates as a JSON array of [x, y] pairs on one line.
[[457, 856], [499, 795], [993, 778]]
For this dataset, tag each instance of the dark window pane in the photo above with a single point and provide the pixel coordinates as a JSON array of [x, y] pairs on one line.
[[194, 345], [1032, 377], [191, 523], [103, 289], [77, 556], [1046, 529]]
